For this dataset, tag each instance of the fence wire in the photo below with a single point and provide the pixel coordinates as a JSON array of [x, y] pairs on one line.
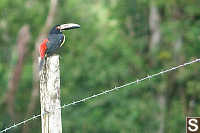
[[102, 93]]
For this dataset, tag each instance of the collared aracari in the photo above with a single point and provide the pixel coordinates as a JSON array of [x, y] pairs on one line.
[[54, 41]]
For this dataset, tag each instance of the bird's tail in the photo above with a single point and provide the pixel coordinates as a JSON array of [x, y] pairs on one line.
[[42, 61]]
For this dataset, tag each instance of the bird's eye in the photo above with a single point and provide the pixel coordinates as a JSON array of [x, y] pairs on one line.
[[58, 27]]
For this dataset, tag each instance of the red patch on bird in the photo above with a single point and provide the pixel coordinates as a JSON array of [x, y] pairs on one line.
[[43, 48]]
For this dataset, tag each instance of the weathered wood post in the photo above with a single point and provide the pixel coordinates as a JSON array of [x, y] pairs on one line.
[[50, 96]]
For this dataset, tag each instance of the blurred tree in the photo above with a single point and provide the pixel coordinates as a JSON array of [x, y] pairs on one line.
[[119, 41]]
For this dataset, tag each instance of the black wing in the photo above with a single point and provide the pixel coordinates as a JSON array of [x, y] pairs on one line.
[[54, 42]]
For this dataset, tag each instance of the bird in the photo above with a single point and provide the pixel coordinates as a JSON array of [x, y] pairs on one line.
[[54, 41]]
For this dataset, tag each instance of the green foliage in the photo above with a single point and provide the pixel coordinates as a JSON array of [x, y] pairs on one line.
[[110, 49]]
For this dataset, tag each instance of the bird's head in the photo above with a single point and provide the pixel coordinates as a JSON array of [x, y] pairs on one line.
[[57, 29]]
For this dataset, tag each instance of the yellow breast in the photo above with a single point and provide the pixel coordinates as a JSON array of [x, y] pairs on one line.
[[63, 41]]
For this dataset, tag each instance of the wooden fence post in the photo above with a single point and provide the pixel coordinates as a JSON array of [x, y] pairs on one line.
[[50, 96]]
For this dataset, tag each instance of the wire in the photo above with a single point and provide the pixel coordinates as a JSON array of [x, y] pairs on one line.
[[102, 93]]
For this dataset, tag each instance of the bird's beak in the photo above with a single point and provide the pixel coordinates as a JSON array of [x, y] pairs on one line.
[[69, 26]]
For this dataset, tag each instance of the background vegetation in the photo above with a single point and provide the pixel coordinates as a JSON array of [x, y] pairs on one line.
[[119, 41]]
